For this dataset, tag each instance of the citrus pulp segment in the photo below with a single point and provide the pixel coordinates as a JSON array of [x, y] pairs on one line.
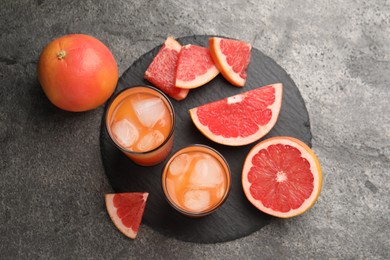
[[232, 58], [241, 119], [282, 177], [126, 211], [162, 70], [195, 67]]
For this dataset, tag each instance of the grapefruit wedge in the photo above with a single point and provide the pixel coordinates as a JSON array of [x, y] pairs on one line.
[[126, 211], [195, 67], [241, 119], [231, 58], [162, 70], [282, 177]]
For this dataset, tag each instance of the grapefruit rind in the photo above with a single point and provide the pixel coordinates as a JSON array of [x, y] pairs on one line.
[[240, 141], [172, 44], [315, 168], [175, 93], [221, 63], [111, 209], [199, 80]]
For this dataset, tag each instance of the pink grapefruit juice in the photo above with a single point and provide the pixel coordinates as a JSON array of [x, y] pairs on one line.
[[140, 122], [196, 180]]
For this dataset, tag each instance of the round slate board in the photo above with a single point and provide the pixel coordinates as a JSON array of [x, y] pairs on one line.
[[237, 217]]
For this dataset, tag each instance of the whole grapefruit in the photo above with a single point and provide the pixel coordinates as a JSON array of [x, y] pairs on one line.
[[77, 72]]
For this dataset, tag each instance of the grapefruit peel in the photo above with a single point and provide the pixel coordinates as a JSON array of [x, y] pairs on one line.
[[112, 209], [306, 153], [232, 102], [224, 63]]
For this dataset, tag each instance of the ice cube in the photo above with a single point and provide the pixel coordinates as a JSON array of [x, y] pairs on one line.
[[162, 122], [150, 141], [220, 192], [149, 111], [207, 173], [196, 200], [125, 132], [180, 164]]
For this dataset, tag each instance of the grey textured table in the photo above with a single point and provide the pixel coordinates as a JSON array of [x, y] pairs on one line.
[[52, 180]]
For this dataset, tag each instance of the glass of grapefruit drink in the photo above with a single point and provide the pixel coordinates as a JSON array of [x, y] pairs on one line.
[[196, 180], [140, 121]]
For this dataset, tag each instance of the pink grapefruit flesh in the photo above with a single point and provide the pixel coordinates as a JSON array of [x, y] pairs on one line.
[[195, 67], [232, 58], [126, 211], [282, 177], [162, 71], [241, 119]]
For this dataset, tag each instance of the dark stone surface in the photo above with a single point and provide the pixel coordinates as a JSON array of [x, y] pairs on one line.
[[52, 178], [237, 217]]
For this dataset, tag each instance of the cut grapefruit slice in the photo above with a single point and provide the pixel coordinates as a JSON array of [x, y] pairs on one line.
[[231, 58], [282, 177], [241, 119], [162, 70], [195, 67], [126, 211]]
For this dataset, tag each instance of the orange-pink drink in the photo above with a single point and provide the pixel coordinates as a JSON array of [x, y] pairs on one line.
[[140, 120], [196, 180]]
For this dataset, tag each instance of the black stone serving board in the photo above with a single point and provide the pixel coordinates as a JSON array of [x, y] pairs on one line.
[[237, 217]]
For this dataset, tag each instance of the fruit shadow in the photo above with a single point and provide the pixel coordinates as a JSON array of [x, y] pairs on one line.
[[45, 116]]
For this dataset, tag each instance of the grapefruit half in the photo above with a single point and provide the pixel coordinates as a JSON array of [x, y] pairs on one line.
[[126, 211], [162, 70], [241, 119], [195, 67], [282, 177], [231, 58]]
